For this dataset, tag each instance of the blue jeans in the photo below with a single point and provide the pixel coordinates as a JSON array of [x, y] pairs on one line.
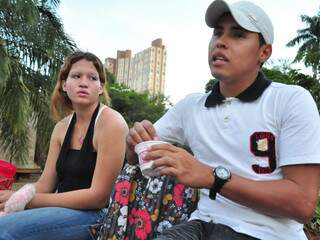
[[49, 223]]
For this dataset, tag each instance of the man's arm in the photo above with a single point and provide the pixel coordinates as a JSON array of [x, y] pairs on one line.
[[295, 196]]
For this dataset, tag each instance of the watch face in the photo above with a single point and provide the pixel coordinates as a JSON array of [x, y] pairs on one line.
[[222, 172]]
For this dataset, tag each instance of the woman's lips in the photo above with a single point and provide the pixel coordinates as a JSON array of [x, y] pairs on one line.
[[82, 93]]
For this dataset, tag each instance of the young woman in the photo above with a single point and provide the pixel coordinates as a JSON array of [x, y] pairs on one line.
[[85, 156]]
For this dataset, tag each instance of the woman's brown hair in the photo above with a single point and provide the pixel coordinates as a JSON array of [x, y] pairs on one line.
[[61, 105]]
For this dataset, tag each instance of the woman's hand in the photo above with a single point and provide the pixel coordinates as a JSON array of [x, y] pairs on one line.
[[19, 199], [4, 196]]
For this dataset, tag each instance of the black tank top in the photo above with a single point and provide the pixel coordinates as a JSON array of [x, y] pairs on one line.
[[75, 168]]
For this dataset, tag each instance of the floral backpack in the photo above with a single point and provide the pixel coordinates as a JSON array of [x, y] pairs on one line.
[[142, 207]]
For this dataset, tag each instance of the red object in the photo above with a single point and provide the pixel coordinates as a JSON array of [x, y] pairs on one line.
[[7, 173]]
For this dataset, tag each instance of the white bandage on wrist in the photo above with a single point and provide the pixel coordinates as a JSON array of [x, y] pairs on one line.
[[19, 199]]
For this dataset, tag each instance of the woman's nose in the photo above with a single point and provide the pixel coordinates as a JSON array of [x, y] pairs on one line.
[[83, 81]]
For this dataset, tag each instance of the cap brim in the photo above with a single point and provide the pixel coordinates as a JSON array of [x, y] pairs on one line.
[[215, 10]]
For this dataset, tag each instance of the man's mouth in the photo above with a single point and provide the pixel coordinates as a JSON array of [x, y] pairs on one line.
[[220, 58]]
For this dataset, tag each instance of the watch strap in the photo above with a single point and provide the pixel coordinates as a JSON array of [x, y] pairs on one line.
[[216, 187], [218, 181]]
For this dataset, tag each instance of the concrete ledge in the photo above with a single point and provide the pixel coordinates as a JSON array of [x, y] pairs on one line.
[[26, 172]]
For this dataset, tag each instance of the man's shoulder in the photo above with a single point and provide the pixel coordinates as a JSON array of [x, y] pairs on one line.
[[290, 97], [285, 89], [189, 103], [194, 98]]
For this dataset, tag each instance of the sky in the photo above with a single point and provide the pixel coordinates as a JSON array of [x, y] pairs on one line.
[[105, 26]]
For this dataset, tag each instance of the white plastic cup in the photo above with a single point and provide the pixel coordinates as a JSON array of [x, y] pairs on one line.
[[146, 167]]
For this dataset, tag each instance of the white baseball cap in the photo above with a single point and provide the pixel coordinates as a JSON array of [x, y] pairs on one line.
[[248, 15]]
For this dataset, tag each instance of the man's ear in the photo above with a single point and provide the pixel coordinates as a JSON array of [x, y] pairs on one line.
[[265, 53]]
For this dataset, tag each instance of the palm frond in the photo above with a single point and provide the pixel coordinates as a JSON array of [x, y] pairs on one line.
[[309, 39], [4, 63], [33, 45], [297, 40], [15, 115]]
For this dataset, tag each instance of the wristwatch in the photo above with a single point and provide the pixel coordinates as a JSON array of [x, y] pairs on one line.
[[221, 176]]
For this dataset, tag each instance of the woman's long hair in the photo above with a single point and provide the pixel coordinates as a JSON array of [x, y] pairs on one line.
[[61, 105]]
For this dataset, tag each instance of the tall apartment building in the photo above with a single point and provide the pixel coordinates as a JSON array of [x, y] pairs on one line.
[[145, 71], [111, 65]]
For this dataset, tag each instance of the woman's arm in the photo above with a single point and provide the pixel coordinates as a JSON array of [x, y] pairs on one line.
[[48, 179], [109, 141]]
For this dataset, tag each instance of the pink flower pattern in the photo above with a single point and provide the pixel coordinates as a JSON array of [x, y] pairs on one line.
[[147, 214], [178, 194], [141, 218], [122, 192]]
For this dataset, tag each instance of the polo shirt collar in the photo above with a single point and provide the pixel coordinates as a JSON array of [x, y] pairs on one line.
[[253, 92]]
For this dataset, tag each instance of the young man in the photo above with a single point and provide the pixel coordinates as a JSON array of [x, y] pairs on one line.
[[255, 142]]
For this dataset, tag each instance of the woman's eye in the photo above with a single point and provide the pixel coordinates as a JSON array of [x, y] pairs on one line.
[[94, 78], [75, 76]]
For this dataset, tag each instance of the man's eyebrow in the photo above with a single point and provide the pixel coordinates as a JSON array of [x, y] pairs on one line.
[[239, 28], [235, 27]]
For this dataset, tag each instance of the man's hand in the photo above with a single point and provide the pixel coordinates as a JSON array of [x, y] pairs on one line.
[[140, 132], [177, 162]]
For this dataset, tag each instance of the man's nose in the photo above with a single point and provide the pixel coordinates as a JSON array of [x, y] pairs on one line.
[[220, 42]]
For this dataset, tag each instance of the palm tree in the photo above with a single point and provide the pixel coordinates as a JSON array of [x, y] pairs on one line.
[[32, 48], [309, 38]]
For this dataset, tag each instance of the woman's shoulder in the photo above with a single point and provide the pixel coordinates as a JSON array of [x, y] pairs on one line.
[[110, 117], [64, 122], [61, 127]]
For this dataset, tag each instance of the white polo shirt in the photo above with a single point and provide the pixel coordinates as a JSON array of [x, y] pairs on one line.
[[273, 125]]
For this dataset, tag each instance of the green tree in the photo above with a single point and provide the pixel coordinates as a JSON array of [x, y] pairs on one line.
[[285, 74], [277, 75], [210, 84], [136, 106], [309, 41], [294, 77], [32, 48], [111, 79]]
